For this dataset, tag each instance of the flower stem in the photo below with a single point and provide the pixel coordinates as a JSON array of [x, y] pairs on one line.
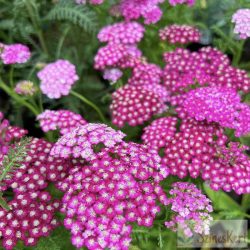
[[17, 98], [11, 73], [91, 104]]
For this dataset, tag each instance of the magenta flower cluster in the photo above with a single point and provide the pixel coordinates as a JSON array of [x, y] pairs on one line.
[[135, 105], [218, 104], [180, 34], [14, 53], [191, 209], [57, 78], [116, 188], [241, 18], [63, 120], [208, 66], [30, 218]]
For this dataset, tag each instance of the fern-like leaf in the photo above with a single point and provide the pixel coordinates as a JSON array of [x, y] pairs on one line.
[[13, 159], [78, 14]]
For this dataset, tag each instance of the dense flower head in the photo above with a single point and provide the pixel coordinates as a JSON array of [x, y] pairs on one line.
[[134, 9], [112, 75], [119, 187], [145, 73], [180, 34], [199, 149], [218, 104], [123, 32], [229, 169], [176, 2], [63, 120], [241, 18], [208, 66], [159, 132], [116, 55], [30, 218], [159, 90], [191, 209], [14, 53], [38, 168], [134, 105], [81, 142], [25, 88], [57, 78]]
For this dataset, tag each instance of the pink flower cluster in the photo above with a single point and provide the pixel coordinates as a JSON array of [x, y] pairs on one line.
[[218, 104], [134, 9], [112, 75], [122, 33], [197, 150], [135, 105], [116, 188], [241, 18], [190, 207], [180, 34], [159, 132], [208, 66], [14, 53], [63, 120], [57, 78], [176, 2], [81, 142], [30, 218]]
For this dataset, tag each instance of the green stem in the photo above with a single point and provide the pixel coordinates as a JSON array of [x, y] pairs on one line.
[[36, 26], [61, 41], [11, 76], [19, 99], [238, 54], [91, 104]]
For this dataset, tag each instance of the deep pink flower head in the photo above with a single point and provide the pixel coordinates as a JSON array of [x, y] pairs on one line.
[[30, 218], [134, 105], [241, 18], [176, 2], [159, 132], [63, 120], [57, 78], [120, 186], [191, 209], [124, 33], [14, 53], [217, 104], [112, 75], [181, 34], [38, 168], [144, 73], [116, 55], [134, 9], [80, 142]]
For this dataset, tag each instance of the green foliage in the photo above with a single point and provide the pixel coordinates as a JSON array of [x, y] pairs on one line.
[[77, 14]]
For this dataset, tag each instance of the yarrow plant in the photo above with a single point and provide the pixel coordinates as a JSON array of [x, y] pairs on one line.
[[137, 128]]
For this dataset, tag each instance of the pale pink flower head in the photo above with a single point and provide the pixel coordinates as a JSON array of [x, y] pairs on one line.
[[14, 53], [180, 34], [134, 9], [112, 75], [176, 2], [63, 120], [57, 78], [25, 88], [81, 142], [123, 32], [191, 209], [241, 18]]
